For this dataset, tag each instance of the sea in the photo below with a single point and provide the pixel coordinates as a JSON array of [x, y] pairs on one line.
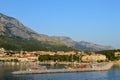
[[6, 69]]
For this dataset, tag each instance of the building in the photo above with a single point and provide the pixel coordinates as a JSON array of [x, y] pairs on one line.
[[8, 58], [117, 54], [2, 49], [70, 53], [60, 53], [22, 59], [45, 53], [2, 52], [93, 57], [32, 58]]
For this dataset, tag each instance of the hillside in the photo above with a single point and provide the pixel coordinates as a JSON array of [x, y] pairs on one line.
[[18, 44], [14, 31], [83, 45], [13, 28], [16, 36]]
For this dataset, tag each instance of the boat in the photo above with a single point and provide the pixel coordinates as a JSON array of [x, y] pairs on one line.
[[76, 66], [91, 66], [32, 68]]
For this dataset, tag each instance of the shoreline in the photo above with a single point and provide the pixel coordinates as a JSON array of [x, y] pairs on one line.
[[115, 63]]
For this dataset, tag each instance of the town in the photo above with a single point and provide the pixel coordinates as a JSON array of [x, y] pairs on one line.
[[33, 56]]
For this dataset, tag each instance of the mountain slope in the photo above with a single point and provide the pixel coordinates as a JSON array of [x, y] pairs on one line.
[[18, 44], [12, 27], [82, 44], [13, 30], [15, 36]]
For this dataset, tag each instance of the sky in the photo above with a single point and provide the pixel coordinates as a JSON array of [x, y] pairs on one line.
[[96, 21]]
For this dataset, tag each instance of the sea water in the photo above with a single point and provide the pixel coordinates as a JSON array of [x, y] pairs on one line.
[[112, 74]]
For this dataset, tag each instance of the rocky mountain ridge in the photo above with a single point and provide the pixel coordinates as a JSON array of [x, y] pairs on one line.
[[83, 45], [11, 27]]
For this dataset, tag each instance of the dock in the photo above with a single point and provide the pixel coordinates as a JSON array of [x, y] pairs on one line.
[[47, 71]]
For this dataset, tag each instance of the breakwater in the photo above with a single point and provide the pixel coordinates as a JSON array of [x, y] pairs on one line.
[[117, 63], [100, 68]]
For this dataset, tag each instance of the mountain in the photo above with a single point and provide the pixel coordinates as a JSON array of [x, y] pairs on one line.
[[87, 46], [13, 28], [15, 36]]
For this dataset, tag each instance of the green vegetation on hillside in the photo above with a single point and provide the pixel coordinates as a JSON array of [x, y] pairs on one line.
[[18, 44], [110, 54]]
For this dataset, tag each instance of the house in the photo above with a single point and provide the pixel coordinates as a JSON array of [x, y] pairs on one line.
[[7, 58], [2, 52], [22, 59], [44, 53], [2, 49], [70, 53], [32, 58], [117, 54], [93, 57], [60, 53]]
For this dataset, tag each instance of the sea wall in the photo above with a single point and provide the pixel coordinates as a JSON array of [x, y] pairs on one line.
[[116, 63]]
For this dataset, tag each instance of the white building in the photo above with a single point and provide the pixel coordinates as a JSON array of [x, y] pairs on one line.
[[2, 52]]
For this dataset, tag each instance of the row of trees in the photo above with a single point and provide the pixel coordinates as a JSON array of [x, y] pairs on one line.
[[67, 58]]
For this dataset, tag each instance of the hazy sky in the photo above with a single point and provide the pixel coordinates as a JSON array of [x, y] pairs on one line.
[[95, 21]]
